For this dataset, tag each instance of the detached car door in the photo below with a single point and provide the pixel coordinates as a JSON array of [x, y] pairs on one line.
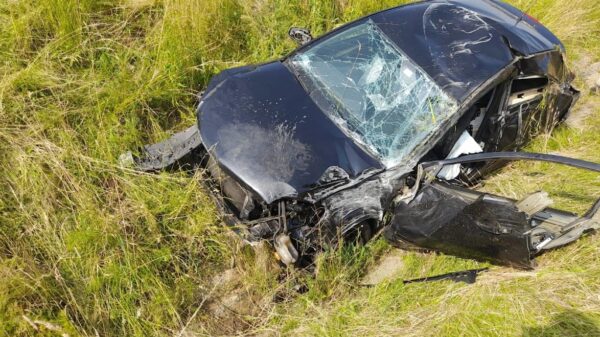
[[463, 222]]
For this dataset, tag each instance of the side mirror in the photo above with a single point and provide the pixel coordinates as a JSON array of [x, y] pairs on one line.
[[300, 35]]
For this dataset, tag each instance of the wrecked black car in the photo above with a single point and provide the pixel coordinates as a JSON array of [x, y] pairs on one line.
[[383, 123]]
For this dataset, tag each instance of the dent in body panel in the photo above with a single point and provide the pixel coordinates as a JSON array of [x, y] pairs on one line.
[[244, 148], [263, 129], [474, 44], [466, 33], [462, 222]]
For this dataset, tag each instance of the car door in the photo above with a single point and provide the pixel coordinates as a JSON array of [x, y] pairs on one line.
[[438, 215]]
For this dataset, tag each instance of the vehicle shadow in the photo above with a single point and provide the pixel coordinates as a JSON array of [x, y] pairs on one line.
[[568, 323]]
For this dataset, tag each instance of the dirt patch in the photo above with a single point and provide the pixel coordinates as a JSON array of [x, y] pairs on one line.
[[388, 268], [236, 301], [589, 73], [580, 113]]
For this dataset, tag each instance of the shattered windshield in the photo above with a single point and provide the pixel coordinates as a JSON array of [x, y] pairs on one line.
[[373, 91]]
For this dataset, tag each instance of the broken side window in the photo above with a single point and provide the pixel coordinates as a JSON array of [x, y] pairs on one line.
[[373, 91]]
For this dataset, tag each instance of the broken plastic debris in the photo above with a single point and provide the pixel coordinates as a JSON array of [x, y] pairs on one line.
[[464, 145], [286, 250], [466, 276], [534, 202], [126, 159]]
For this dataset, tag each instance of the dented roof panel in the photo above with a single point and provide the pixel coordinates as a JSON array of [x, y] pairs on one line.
[[461, 44]]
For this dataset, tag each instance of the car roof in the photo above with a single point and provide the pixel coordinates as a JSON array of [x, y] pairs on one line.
[[461, 43]]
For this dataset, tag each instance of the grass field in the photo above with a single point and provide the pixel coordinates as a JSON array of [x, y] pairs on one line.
[[91, 249]]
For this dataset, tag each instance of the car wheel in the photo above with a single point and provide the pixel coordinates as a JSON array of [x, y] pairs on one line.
[[365, 231]]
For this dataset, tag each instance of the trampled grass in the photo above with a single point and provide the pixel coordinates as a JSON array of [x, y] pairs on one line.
[[88, 248]]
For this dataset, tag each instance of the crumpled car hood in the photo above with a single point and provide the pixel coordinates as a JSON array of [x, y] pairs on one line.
[[260, 125]]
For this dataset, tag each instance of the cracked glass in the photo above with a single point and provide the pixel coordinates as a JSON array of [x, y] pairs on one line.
[[372, 91]]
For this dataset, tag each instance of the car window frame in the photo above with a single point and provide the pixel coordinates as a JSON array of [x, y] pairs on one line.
[[411, 157]]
